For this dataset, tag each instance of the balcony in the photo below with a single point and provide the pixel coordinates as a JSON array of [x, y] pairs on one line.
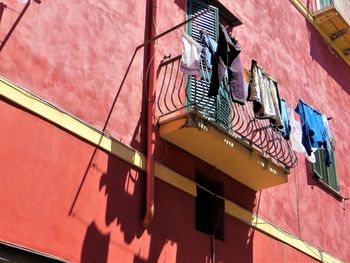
[[219, 131], [332, 19]]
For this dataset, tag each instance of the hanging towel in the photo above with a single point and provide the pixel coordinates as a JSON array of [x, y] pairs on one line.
[[267, 109], [296, 136], [285, 130], [254, 87], [263, 91], [277, 119], [260, 94], [314, 133], [191, 53]]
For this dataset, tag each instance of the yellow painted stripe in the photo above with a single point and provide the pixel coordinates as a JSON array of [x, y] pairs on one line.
[[43, 109], [276, 232], [305, 12]]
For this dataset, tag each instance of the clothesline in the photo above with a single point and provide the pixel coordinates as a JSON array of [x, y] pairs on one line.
[[223, 59]]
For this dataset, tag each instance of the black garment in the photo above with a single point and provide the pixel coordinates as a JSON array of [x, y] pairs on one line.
[[239, 92], [225, 59]]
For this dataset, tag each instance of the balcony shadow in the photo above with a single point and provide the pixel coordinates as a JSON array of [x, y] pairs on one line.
[[95, 246], [328, 59]]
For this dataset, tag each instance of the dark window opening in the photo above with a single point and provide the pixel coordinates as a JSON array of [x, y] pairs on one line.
[[210, 208]]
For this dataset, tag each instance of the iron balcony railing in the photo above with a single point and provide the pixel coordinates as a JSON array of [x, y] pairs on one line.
[[342, 6], [177, 92]]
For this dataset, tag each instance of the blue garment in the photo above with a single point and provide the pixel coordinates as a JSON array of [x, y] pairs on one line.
[[285, 131], [210, 47], [314, 132]]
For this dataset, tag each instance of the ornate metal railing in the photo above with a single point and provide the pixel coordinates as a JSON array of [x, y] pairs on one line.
[[178, 92]]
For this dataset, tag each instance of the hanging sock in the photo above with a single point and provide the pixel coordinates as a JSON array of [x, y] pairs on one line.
[[191, 53]]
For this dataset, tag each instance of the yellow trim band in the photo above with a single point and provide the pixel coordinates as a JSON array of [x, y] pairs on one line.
[[82, 130]]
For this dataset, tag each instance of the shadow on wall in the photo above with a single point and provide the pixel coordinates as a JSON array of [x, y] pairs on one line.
[[95, 247], [123, 208], [171, 237], [328, 58]]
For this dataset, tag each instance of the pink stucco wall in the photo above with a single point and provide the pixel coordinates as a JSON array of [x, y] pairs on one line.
[[74, 54]]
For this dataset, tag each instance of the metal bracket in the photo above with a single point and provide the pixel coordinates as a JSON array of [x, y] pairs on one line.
[[338, 34], [346, 51]]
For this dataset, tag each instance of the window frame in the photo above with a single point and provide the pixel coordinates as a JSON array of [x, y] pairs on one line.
[[220, 119], [325, 174], [209, 207]]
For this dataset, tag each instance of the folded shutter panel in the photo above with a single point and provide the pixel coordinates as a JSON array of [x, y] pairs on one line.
[[317, 166], [331, 171], [223, 105]]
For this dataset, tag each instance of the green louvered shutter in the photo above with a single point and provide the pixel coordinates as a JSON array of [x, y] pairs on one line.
[[328, 175], [223, 108], [331, 171], [210, 106], [317, 166]]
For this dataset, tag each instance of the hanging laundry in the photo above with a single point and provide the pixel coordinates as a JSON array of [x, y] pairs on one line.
[[328, 135], [277, 119], [314, 132], [263, 91], [191, 53], [296, 135], [210, 47], [239, 91], [227, 63], [326, 126], [285, 130], [254, 87], [266, 109]]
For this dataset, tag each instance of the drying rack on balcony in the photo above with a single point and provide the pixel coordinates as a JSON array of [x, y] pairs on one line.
[[176, 98]]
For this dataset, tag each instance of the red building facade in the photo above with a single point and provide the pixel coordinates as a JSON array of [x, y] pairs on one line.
[[85, 147]]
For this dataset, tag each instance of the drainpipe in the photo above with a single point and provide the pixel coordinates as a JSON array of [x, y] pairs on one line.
[[151, 21]]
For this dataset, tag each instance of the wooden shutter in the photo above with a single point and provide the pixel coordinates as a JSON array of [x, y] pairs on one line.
[[331, 171], [208, 21], [199, 96], [216, 108], [223, 108], [328, 175], [317, 167]]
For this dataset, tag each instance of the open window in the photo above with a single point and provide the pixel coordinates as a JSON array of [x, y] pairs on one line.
[[327, 175], [215, 108], [210, 207]]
